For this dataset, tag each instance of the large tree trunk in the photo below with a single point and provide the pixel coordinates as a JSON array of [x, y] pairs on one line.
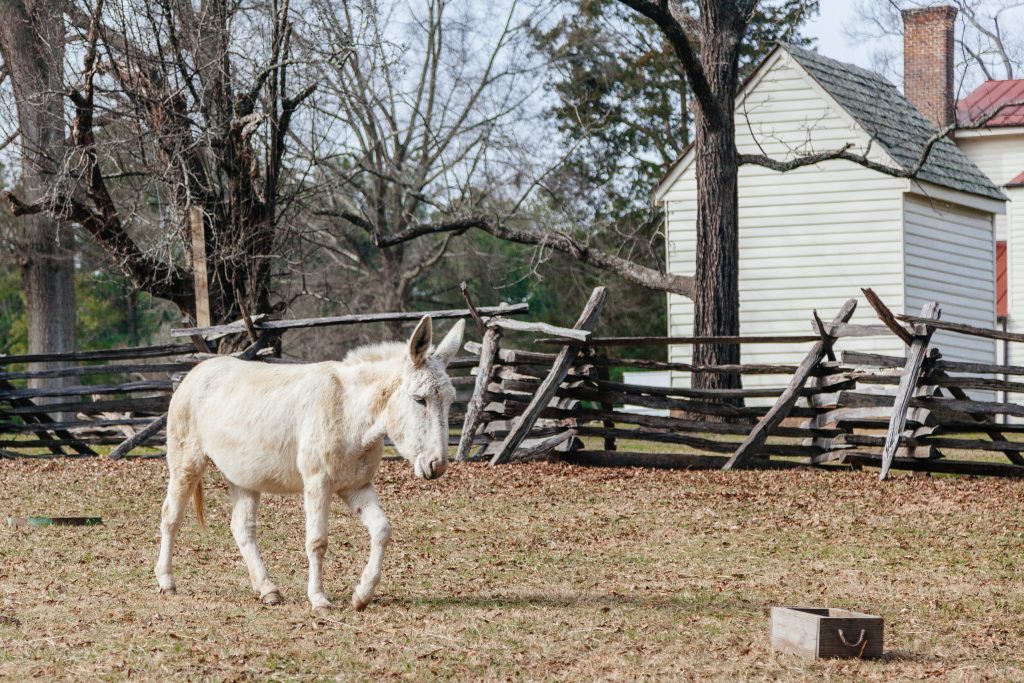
[[47, 277], [32, 44], [394, 292], [716, 292]]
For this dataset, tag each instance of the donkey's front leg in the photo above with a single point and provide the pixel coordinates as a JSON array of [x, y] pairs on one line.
[[364, 503], [318, 504]]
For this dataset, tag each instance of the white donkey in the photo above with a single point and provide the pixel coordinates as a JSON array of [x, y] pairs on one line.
[[317, 429]]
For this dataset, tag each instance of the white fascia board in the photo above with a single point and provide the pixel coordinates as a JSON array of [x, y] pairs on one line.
[[988, 132], [677, 170], [945, 194]]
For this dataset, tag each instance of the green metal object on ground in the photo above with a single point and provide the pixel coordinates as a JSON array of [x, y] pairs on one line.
[[54, 521]]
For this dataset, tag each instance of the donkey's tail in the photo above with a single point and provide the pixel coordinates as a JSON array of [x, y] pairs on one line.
[[197, 499]]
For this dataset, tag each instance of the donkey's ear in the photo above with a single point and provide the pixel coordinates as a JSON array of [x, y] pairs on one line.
[[419, 342], [451, 343]]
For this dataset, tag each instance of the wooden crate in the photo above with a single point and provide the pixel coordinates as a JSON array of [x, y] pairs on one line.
[[819, 632]]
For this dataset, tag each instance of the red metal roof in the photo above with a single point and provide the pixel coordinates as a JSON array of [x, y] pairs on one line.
[[987, 97], [1016, 181], [1001, 301]]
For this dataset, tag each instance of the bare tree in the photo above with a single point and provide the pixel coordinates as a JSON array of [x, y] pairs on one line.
[[401, 187], [174, 108], [414, 123], [32, 46], [431, 127]]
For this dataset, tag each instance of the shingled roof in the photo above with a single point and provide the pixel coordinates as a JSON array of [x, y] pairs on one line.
[[886, 115]]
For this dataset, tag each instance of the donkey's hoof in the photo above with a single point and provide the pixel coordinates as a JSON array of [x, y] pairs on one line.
[[359, 603], [320, 604], [168, 592], [272, 598]]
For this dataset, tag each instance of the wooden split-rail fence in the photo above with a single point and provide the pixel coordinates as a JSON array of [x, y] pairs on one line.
[[834, 409], [119, 397], [554, 397], [106, 397]]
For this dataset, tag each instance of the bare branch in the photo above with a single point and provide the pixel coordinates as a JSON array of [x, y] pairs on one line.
[[9, 140], [557, 241], [427, 263], [679, 39], [994, 34], [146, 273], [863, 160]]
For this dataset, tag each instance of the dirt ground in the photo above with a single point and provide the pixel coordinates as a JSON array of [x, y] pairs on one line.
[[527, 572]]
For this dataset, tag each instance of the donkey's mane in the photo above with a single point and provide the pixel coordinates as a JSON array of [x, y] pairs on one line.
[[376, 352]]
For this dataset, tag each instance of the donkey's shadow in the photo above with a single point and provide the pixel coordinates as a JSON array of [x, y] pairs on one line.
[[562, 600]]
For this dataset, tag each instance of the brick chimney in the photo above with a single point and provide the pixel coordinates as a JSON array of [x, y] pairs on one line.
[[928, 62]]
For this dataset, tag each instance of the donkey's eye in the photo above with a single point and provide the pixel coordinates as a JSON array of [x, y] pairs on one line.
[[419, 399]]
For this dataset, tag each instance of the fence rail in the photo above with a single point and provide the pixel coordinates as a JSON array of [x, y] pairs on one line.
[[128, 406], [915, 413], [557, 398]]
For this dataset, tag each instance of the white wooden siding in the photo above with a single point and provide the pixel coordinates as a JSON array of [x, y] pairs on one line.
[[809, 239], [950, 258], [1014, 351], [1015, 272], [1001, 158]]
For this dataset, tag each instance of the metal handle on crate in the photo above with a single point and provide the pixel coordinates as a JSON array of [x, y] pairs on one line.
[[847, 643]]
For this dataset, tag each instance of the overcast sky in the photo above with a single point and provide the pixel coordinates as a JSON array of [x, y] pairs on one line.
[[828, 26], [884, 54]]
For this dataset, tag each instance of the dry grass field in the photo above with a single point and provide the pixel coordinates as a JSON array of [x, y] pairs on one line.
[[528, 572]]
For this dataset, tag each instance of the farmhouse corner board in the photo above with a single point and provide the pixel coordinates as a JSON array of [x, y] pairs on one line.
[[823, 632]]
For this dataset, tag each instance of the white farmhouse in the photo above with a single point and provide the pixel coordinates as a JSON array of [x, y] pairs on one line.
[[998, 150], [812, 237]]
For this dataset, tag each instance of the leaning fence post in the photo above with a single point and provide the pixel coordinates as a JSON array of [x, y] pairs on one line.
[[908, 382], [488, 354], [755, 440], [587, 320], [138, 438]]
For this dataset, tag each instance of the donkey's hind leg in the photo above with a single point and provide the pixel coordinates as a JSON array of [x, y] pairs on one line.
[[185, 474], [364, 502], [243, 526]]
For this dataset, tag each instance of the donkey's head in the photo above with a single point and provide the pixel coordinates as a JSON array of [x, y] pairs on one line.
[[417, 413]]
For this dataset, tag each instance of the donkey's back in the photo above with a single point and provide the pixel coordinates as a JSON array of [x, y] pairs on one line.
[[249, 419]]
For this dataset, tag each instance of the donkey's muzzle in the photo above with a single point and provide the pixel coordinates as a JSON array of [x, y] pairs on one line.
[[432, 469]]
